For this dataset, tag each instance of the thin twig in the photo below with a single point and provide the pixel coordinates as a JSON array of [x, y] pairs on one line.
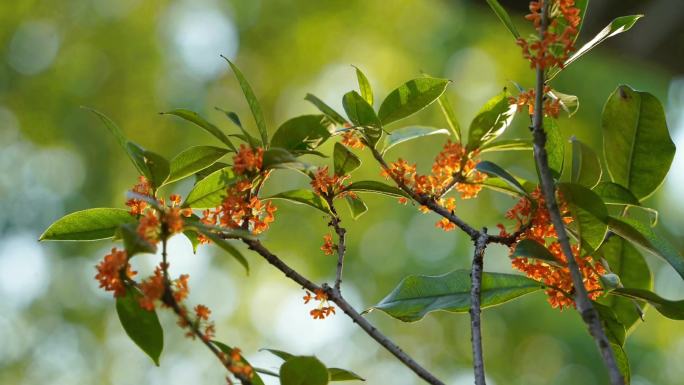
[[475, 306], [584, 306], [339, 300], [341, 241]]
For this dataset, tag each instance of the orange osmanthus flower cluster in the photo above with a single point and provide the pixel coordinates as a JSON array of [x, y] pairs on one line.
[[328, 247], [324, 309], [557, 278], [351, 139], [143, 187], [453, 166], [237, 365], [551, 107], [559, 38], [248, 160], [324, 184], [112, 271], [153, 288]]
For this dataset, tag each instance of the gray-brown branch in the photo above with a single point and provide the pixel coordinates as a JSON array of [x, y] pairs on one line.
[[341, 242], [475, 306]]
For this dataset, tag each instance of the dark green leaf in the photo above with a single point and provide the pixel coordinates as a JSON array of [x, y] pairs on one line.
[[210, 170], [491, 121], [410, 98], [504, 17], [643, 235], [301, 196], [141, 325], [133, 242], [418, 295], [622, 362], [278, 157], [252, 101], [193, 160], [586, 165], [210, 191], [325, 109], [356, 206], [364, 86], [405, 134], [361, 114], [615, 330], [344, 160], [195, 118], [226, 246], [256, 380], [372, 186], [507, 145], [500, 185], [636, 142], [303, 133], [337, 374], [158, 168], [246, 137], [491, 168], [87, 225], [555, 147], [304, 371], [670, 309], [532, 249], [591, 215], [614, 193]]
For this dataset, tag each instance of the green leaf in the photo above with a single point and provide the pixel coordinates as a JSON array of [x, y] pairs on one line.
[[356, 206], [158, 168], [303, 371], [133, 242], [615, 330], [622, 362], [277, 158], [643, 235], [195, 118], [87, 225], [256, 380], [586, 165], [670, 309], [325, 109], [410, 98], [500, 185], [142, 326], [614, 193], [569, 103], [364, 86], [491, 168], [193, 237], [305, 197], [405, 134], [226, 246], [418, 295], [233, 117], [252, 101], [194, 160], [589, 211], [285, 356], [491, 121], [628, 263], [210, 170], [504, 17], [210, 191], [555, 147], [344, 160], [507, 145], [450, 116], [337, 374], [303, 133], [636, 142], [372, 186], [528, 248], [361, 114]]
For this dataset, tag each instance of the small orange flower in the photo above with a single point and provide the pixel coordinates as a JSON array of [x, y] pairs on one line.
[[111, 271], [328, 246], [152, 290], [143, 188], [351, 139], [237, 208], [322, 311], [149, 227], [324, 184], [180, 288], [248, 160]]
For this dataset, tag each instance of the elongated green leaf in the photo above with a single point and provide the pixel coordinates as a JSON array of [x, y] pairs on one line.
[[504, 17], [249, 139], [256, 379], [405, 134], [670, 309], [364, 86], [591, 215], [418, 295], [507, 145], [254, 105], [303, 133], [614, 193], [643, 235], [491, 168], [410, 98], [372, 186], [450, 116], [193, 160], [226, 246], [622, 362], [285, 356], [158, 168], [304, 370], [277, 158], [617, 26], [141, 325], [615, 330], [636, 142], [357, 207], [586, 166], [555, 147], [344, 160], [210, 191], [500, 185], [195, 118], [326, 110], [532, 249], [337, 374], [305, 197], [491, 121], [362, 114], [625, 261], [87, 225], [133, 242]]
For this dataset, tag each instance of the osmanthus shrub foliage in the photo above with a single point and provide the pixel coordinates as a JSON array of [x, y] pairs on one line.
[[600, 208]]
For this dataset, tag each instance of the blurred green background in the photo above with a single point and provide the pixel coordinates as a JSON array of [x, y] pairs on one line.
[[132, 59]]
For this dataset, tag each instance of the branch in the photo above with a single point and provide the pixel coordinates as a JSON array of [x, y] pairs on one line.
[[584, 306], [475, 306], [337, 298], [341, 243]]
